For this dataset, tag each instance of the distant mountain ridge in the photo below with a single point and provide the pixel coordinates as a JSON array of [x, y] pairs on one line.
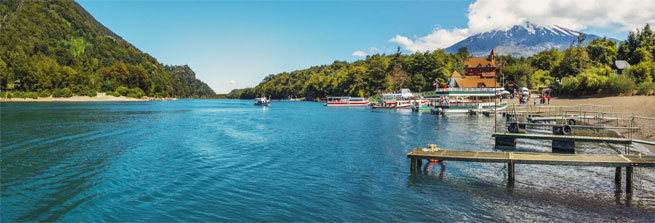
[[51, 45], [525, 39]]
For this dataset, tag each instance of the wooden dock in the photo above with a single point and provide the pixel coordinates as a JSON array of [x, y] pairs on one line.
[[567, 138], [511, 158]]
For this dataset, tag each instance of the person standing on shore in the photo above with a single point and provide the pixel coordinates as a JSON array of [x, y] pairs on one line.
[[548, 98]]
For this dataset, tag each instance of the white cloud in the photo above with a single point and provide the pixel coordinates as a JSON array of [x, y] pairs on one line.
[[439, 38], [487, 15], [373, 49], [359, 53], [233, 82]]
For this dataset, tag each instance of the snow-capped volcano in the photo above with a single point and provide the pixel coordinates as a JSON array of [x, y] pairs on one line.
[[520, 40]]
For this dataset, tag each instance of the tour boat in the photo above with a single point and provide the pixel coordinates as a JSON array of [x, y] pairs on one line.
[[420, 105], [402, 99], [346, 102], [471, 100], [392, 104], [262, 101]]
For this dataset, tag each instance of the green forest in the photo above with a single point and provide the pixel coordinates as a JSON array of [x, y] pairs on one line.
[[49, 47], [577, 71]]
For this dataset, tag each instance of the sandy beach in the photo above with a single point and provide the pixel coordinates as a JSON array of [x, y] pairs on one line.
[[99, 97], [638, 105]]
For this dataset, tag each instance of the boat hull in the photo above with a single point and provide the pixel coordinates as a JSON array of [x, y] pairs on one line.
[[347, 104], [464, 109]]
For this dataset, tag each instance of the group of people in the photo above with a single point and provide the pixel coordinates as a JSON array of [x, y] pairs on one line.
[[542, 99]]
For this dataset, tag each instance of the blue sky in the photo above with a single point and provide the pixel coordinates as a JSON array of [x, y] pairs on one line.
[[245, 41], [235, 44]]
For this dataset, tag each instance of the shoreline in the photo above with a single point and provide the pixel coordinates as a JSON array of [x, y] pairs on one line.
[[101, 97]]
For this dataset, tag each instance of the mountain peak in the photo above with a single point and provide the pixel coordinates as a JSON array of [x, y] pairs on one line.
[[523, 39]]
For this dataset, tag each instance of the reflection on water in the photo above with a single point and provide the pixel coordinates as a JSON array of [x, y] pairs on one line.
[[228, 160]]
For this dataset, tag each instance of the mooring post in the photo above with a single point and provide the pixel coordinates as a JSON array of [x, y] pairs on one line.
[[412, 165], [628, 179], [510, 172], [617, 176], [419, 164]]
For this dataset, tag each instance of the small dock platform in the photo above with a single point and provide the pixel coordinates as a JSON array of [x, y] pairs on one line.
[[511, 158], [568, 138]]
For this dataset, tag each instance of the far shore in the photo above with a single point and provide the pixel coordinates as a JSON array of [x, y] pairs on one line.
[[99, 97]]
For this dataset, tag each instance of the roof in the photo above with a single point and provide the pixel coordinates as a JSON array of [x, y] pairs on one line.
[[455, 74], [482, 61], [621, 64], [477, 82]]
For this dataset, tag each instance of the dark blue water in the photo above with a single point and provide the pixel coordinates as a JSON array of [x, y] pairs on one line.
[[227, 160]]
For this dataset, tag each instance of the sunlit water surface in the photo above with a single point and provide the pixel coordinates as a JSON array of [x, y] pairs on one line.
[[228, 160]]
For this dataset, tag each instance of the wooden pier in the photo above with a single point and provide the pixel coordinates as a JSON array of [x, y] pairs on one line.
[[569, 138], [512, 158], [560, 143]]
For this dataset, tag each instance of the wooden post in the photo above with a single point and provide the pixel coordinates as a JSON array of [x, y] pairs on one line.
[[617, 176], [628, 179], [510, 172], [419, 164], [412, 165]]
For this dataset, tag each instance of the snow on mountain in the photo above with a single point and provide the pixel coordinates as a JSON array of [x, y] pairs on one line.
[[520, 40]]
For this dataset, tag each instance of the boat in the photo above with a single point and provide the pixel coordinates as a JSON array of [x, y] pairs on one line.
[[346, 102], [392, 104], [262, 101], [403, 99], [420, 105], [467, 100]]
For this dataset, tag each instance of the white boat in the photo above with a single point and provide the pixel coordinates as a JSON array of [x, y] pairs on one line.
[[463, 100], [262, 101], [402, 99], [346, 102]]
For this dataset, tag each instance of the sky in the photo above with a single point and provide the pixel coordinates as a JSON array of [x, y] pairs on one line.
[[235, 44]]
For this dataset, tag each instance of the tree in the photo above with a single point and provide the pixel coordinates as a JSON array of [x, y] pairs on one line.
[[575, 60], [418, 83], [602, 51], [547, 59]]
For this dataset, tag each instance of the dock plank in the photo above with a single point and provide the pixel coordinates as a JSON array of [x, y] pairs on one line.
[[564, 138], [535, 158]]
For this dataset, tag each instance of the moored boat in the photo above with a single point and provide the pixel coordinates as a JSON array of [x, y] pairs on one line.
[[346, 102], [402, 99], [262, 101], [467, 100]]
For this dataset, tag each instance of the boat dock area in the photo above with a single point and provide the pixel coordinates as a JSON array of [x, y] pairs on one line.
[[511, 158], [569, 138]]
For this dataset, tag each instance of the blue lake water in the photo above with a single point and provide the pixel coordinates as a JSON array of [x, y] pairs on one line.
[[228, 160]]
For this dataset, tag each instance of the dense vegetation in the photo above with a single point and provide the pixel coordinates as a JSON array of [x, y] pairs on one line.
[[49, 46], [578, 70]]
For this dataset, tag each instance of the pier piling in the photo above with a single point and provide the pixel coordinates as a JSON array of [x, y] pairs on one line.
[[617, 176], [510, 173], [628, 179]]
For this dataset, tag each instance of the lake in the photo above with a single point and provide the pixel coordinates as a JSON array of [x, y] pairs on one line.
[[228, 160]]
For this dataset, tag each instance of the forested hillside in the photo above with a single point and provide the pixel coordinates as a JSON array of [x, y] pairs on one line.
[[575, 71], [52, 45]]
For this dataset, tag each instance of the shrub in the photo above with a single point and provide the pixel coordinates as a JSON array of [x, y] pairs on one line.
[[112, 93], [44, 93], [32, 95], [17, 94], [62, 93], [138, 93], [646, 88], [9, 95], [131, 95], [87, 92], [109, 85], [3, 94], [123, 90]]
